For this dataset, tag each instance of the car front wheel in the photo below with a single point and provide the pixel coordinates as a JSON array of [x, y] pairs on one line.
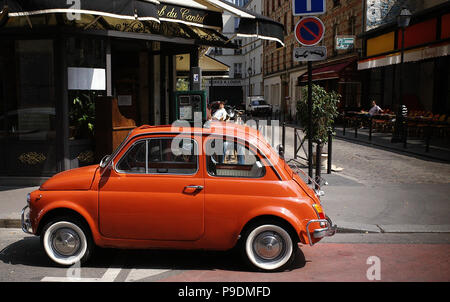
[[269, 247], [66, 241]]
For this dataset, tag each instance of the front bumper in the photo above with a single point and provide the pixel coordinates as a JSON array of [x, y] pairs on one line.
[[328, 230], [25, 220]]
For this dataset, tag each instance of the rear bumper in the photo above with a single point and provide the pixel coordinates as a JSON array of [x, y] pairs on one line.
[[328, 230]]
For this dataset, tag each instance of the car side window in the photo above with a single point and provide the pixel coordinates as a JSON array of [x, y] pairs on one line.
[[134, 160], [161, 156], [225, 158], [172, 156]]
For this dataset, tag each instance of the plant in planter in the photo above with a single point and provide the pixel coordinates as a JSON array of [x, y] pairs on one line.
[[82, 117], [324, 111]]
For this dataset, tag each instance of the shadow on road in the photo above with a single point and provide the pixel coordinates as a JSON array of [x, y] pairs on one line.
[[29, 252]]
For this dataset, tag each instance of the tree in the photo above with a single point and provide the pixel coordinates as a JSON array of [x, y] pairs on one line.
[[324, 111]]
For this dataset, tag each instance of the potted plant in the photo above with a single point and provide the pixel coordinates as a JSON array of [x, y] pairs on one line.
[[324, 111]]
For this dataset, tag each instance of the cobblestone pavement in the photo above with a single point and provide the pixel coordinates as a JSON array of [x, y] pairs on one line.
[[370, 165]]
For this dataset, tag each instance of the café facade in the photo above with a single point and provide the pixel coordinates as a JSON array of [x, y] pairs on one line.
[[74, 77]]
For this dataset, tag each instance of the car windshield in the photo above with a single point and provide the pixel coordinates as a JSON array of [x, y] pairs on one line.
[[259, 103]]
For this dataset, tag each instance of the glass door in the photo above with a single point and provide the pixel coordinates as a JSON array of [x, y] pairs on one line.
[[27, 108]]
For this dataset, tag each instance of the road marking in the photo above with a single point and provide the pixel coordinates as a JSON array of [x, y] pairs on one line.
[[139, 274], [109, 276]]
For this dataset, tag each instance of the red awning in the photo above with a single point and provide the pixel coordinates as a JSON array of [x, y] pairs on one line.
[[327, 72]]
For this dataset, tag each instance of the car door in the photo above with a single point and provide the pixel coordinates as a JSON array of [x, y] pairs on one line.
[[154, 192], [237, 180]]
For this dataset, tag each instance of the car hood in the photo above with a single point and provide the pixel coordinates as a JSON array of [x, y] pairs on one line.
[[75, 179]]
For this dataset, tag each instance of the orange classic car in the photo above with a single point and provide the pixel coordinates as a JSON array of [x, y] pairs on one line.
[[216, 188]]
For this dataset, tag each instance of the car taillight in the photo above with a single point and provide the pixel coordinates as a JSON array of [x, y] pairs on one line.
[[319, 211]]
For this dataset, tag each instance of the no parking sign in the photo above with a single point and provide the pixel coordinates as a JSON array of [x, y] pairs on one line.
[[309, 31]]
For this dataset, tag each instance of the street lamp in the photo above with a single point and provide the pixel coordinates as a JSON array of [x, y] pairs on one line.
[[249, 70], [403, 20]]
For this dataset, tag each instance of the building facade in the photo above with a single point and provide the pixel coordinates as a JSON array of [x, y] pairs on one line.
[[283, 77], [425, 72]]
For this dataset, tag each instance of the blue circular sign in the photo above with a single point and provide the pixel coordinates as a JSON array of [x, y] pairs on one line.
[[309, 31]]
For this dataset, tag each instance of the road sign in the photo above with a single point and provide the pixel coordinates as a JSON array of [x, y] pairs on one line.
[[312, 53], [308, 7], [345, 42], [309, 31]]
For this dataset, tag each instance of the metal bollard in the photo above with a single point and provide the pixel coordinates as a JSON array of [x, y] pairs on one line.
[[330, 149], [318, 163]]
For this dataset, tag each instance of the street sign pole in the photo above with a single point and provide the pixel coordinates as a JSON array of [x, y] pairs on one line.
[[309, 31], [310, 124]]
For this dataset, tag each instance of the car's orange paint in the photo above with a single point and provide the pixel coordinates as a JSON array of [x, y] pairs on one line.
[[154, 211]]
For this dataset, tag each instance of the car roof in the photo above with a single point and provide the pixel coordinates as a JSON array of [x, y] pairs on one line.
[[213, 127]]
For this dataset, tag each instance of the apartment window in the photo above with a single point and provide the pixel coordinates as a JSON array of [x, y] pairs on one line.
[[336, 3], [239, 50], [236, 23], [237, 70], [335, 33], [352, 25], [218, 51]]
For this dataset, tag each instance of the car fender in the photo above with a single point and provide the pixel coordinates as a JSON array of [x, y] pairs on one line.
[[274, 211], [71, 206]]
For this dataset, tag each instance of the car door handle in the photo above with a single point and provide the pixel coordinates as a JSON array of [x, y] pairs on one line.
[[198, 188], [192, 189]]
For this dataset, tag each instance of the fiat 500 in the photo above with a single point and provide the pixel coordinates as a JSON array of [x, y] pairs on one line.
[[214, 188]]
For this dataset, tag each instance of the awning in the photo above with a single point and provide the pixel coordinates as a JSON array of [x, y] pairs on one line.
[[122, 9], [205, 14], [327, 72], [252, 25], [209, 66], [413, 55]]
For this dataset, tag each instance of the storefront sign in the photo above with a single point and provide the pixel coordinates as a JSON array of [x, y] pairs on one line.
[[345, 42], [189, 15], [80, 78], [226, 82]]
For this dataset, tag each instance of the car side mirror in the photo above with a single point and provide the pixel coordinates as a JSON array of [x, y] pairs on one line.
[[281, 151], [104, 161]]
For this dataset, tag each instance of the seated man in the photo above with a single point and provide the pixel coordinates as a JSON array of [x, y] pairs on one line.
[[375, 109], [221, 114]]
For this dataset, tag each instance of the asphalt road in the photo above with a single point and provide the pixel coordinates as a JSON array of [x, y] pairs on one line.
[[344, 257]]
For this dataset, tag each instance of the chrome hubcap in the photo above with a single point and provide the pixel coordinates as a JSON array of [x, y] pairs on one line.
[[268, 245], [66, 242]]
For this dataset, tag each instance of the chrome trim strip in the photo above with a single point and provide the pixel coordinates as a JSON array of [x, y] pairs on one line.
[[146, 159], [127, 139]]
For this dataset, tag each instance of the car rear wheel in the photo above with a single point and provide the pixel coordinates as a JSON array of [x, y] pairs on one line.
[[269, 247], [66, 241]]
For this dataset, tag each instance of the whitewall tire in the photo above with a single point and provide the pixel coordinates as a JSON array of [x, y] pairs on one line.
[[269, 247], [66, 242]]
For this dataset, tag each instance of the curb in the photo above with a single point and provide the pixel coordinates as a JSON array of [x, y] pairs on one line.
[[10, 223]]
